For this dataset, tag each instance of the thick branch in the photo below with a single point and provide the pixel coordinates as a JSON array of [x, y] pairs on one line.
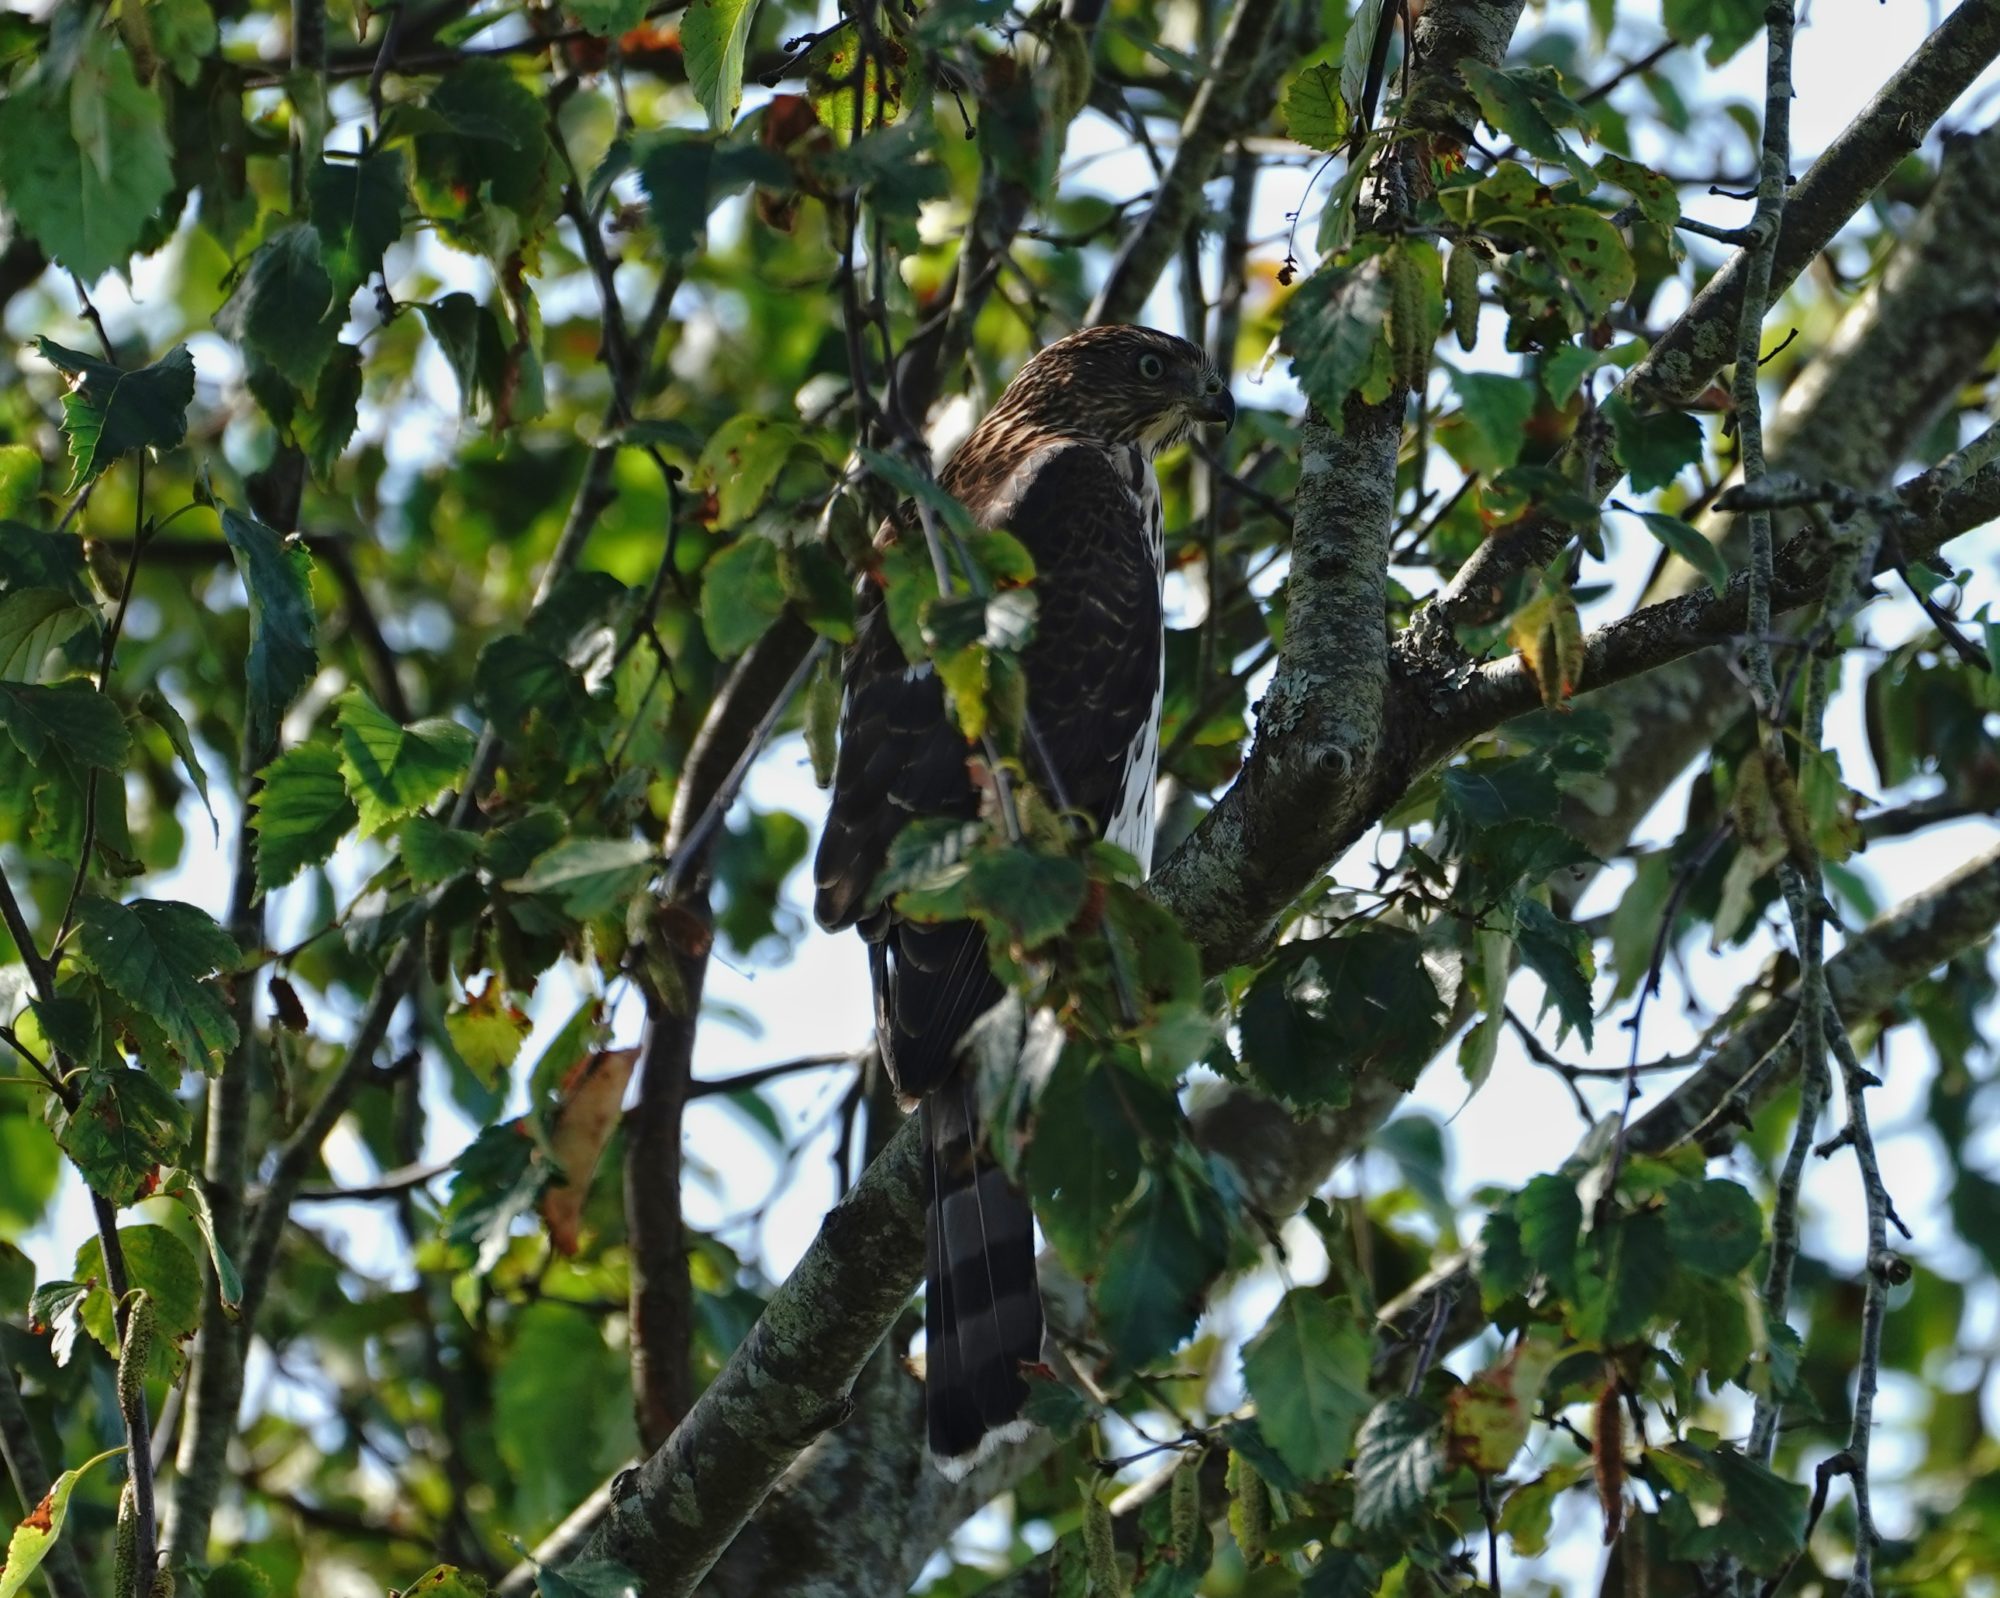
[[786, 1383], [1675, 628]]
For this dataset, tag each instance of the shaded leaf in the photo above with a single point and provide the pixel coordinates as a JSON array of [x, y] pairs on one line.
[[1398, 1460], [284, 629], [1308, 1370], [70, 718]]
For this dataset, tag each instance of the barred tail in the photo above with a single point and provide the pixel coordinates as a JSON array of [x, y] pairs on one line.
[[983, 1309]]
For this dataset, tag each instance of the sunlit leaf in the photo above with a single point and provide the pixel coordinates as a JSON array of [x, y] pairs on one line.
[[164, 958], [108, 412]]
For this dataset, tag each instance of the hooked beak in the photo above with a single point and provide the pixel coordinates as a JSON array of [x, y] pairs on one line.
[[1217, 405]]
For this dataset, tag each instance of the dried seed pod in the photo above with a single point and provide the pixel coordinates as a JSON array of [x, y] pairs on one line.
[[1184, 1507], [125, 1551], [133, 1355], [1461, 286], [1249, 1510], [1409, 353], [1100, 1553]]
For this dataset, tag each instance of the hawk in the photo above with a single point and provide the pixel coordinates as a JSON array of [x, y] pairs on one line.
[[1064, 461]]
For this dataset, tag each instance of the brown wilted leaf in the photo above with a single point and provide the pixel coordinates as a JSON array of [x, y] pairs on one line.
[[591, 1097]]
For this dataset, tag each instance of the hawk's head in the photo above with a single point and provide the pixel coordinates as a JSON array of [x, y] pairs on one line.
[[1117, 385]]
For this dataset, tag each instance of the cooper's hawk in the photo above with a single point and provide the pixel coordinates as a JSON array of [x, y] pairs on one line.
[[1064, 463]]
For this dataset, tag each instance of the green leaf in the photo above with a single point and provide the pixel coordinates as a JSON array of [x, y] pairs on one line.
[[393, 771], [1627, 1271], [1550, 1215], [1510, 102], [20, 480], [608, 18], [1398, 1459], [1326, 1009], [1589, 253], [34, 622], [284, 628], [1658, 200], [1728, 25], [1332, 325], [590, 877], [482, 169], [1528, 1513], [184, 33], [1315, 115], [162, 957], [1653, 449], [1714, 1227], [469, 336], [433, 852], [1308, 1371], [283, 309], [187, 1188], [1687, 542], [741, 462], [86, 162], [741, 594], [357, 209], [1163, 1253], [674, 171], [1724, 1503], [713, 36], [156, 1261], [35, 1536], [1084, 1160], [124, 1128], [155, 704], [109, 412], [325, 421], [446, 1581], [1033, 897], [70, 718], [560, 1378], [1558, 952], [1496, 410], [303, 811], [487, 1030]]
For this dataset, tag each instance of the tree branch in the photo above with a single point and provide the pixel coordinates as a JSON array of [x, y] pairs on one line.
[[1746, 1061], [1236, 96], [1686, 358], [1886, 374]]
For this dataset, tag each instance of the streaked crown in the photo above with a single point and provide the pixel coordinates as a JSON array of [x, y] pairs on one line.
[[1114, 385]]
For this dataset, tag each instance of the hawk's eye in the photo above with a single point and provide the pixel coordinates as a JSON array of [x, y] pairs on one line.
[[1151, 367]]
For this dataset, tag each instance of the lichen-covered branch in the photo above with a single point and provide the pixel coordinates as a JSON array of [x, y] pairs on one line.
[[1851, 417], [786, 1383]]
